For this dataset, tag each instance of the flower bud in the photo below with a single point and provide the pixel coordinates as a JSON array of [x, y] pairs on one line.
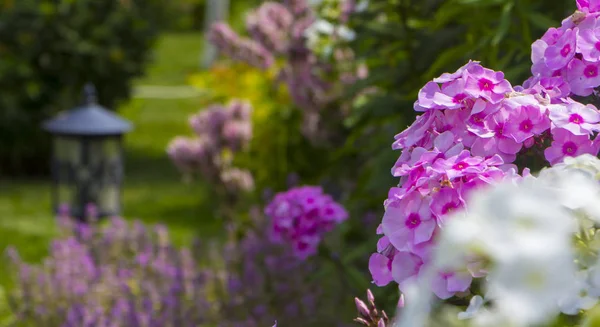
[[401, 301], [371, 298], [384, 315], [362, 308]]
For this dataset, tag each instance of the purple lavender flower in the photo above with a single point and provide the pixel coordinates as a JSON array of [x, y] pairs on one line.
[[130, 275], [83, 283]]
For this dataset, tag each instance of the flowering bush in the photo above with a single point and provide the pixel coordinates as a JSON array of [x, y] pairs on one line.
[[537, 242], [475, 131], [282, 37], [390, 40], [273, 137], [221, 131], [301, 216], [567, 59], [120, 275], [264, 281]]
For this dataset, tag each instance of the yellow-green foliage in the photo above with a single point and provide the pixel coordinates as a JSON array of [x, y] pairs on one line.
[[229, 80], [275, 123]]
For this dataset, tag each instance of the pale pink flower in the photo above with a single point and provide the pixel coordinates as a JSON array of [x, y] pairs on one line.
[[405, 268], [583, 76], [408, 221], [444, 202], [447, 284], [575, 117], [566, 144], [560, 54], [380, 267], [487, 84]]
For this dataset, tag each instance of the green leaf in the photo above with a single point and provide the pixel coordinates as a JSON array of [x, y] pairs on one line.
[[447, 58], [541, 21], [505, 20], [361, 251], [592, 317]]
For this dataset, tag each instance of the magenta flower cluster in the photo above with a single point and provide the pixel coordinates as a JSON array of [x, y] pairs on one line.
[[301, 216], [473, 128], [567, 59], [221, 131]]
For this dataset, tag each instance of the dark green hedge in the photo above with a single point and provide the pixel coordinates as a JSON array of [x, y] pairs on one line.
[[49, 49]]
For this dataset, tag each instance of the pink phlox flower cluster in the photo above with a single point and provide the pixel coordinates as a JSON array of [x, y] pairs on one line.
[[238, 179], [521, 119], [301, 216], [473, 126], [189, 154], [574, 128], [474, 104], [216, 127], [417, 209], [589, 6], [567, 59]]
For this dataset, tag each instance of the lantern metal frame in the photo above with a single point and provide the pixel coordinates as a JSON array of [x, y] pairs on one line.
[[85, 127]]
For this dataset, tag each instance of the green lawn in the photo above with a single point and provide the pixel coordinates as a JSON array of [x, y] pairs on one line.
[[153, 191], [176, 56]]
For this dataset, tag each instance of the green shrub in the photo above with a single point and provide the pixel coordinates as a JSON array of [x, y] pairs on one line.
[[49, 49]]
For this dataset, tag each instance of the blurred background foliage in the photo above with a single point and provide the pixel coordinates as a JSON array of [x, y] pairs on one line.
[[404, 44], [272, 116], [49, 49]]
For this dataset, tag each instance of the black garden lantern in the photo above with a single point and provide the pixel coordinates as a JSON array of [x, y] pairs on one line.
[[87, 159]]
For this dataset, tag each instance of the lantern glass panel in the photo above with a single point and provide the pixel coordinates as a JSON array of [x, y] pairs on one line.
[[67, 150], [104, 159], [67, 156], [110, 199]]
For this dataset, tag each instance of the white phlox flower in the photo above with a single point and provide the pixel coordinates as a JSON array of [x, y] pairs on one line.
[[475, 306], [582, 298]]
